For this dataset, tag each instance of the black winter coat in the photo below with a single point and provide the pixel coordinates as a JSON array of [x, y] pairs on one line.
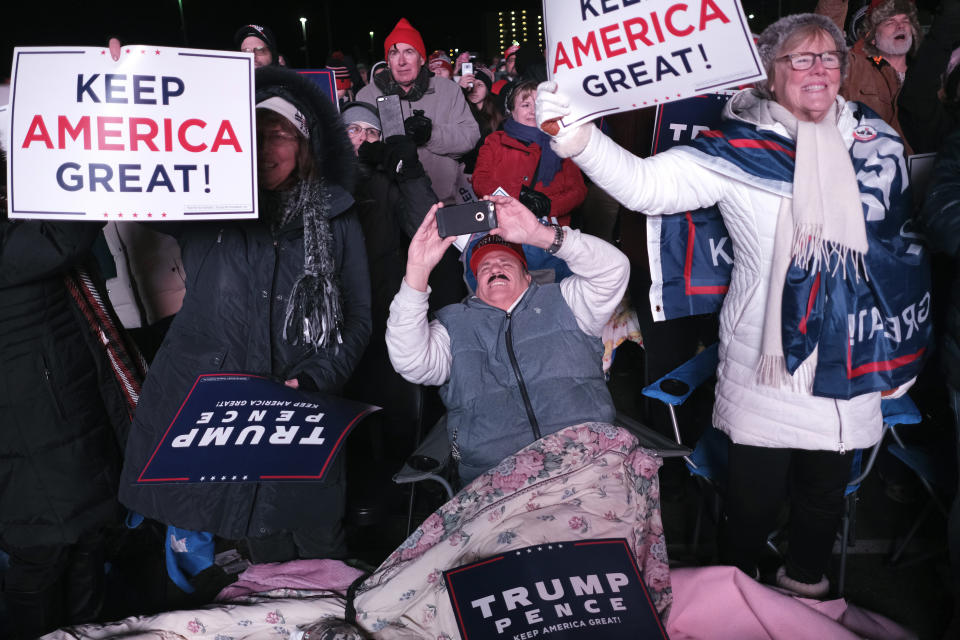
[[59, 455], [238, 279], [925, 120], [940, 216]]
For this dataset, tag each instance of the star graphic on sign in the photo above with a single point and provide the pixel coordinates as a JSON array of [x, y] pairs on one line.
[[103, 52], [120, 213], [134, 214], [142, 51], [223, 477], [157, 52], [128, 50], [163, 215], [244, 477], [234, 478], [149, 215], [106, 215], [202, 478]]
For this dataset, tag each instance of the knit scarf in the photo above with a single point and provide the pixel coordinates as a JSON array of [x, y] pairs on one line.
[[860, 307], [385, 82], [549, 161], [313, 314], [820, 227]]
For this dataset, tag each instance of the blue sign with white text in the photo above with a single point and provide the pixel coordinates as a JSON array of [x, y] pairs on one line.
[[692, 251], [235, 427], [565, 590]]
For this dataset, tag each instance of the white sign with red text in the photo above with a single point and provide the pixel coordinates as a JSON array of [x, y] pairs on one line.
[[619, 55], [161, 134]]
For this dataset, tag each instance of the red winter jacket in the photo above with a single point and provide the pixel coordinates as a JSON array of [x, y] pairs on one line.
[[506, 162]]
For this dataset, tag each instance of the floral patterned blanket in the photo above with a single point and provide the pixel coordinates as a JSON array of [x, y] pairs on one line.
[[587, 481]]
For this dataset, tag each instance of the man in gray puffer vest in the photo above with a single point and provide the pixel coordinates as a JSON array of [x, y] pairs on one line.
[[518, 360]]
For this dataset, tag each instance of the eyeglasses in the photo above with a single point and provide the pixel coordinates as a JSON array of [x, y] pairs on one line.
[[277, 136], [805, 59], [371, 134], [257, 51]]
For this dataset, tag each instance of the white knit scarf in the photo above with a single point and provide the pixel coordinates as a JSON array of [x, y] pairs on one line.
[[820, 227]]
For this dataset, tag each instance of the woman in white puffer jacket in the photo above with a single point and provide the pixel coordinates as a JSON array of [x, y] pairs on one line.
[[787, 442]]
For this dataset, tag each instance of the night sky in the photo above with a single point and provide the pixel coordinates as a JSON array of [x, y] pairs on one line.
[[211, 23]]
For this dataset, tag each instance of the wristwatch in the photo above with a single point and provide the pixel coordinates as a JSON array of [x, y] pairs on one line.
[[557, 239]]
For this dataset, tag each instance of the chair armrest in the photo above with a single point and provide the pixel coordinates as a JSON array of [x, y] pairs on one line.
[[675, 387], [900, 410], [430, 458], [650, 439]]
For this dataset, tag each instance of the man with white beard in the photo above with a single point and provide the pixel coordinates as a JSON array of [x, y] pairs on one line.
[[877, 63]]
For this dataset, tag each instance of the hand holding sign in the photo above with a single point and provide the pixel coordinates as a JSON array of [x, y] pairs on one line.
[[552, 107]]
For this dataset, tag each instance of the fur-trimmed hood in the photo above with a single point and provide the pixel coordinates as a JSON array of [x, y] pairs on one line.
[[332, 151]]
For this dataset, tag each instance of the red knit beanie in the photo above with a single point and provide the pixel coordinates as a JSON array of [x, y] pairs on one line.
[[405, 33]]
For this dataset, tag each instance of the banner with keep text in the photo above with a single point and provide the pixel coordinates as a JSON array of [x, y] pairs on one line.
[[160, 134], [619, 55]]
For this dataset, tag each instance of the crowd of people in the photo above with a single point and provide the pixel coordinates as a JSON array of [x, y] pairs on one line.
[[344, 286]]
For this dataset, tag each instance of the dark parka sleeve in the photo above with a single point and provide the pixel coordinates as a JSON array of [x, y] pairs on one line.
[[940, 214], [940, 217], [33, 249], [330, 368], [925, 120]]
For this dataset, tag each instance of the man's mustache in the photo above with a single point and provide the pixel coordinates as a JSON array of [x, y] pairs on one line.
[[497, 275]]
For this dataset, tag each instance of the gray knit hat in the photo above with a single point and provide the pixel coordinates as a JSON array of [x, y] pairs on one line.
[[773, 37]]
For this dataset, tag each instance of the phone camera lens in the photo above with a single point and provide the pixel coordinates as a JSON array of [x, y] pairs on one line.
[[479, 216]]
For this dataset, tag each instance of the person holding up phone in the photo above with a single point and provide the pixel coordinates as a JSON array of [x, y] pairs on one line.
[[436, 116], [528, 356]]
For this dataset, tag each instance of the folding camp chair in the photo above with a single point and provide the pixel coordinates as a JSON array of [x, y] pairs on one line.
[[708, 462], [431, 459]]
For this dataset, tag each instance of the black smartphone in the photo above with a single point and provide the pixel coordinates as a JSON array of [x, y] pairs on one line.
[[472, 217], [391, 118]]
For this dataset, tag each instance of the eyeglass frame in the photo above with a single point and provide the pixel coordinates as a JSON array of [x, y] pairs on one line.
[[791, 57], [366, 131], [257, 51]]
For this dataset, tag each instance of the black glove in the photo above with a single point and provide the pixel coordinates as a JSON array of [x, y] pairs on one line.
[[370, 153], [400, 158], [418, 127], [536, 201]]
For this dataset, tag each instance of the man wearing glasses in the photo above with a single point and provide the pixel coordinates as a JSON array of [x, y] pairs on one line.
[[258, 40]]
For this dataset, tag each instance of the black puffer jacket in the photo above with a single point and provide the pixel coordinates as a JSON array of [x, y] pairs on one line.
[[940, 217], [59, 456], [239, 276]]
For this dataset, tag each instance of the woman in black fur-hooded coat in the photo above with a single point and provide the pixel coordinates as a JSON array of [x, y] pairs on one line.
[[286, 296]]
